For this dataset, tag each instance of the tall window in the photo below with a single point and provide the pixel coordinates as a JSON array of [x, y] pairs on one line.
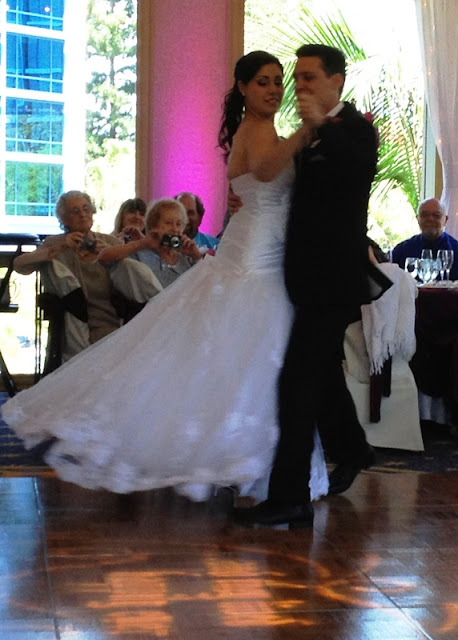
[[384, 76], [67, 108], [67, 121]]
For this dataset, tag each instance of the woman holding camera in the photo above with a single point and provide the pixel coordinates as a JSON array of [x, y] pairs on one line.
[[69, 268], [165, 249], [129, 223]]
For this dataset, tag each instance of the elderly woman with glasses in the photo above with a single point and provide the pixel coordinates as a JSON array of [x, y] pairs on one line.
[[69, 268]]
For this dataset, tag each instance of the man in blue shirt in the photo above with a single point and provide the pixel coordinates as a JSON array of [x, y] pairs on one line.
[[431, 220], [195, 210]]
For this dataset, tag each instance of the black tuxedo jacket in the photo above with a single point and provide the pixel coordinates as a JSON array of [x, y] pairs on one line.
[[327, 227]]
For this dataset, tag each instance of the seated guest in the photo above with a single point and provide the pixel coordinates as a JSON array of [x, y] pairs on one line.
[[431, 219], [70, 270], [130, 220], [165, 248], [195, 211]]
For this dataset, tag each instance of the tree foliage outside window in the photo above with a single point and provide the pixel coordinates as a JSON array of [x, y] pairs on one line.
[[111, 114], [111, 51], [380, 83]]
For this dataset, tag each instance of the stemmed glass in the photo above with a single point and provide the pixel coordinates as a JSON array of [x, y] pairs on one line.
[[427, 254], [435, 269], [442, 260], [447, 261]]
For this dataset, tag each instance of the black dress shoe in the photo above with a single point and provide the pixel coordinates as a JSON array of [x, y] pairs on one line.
[[341, 478], [268, 513]]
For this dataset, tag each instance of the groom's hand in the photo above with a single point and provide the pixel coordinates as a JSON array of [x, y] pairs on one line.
[[234, 202]]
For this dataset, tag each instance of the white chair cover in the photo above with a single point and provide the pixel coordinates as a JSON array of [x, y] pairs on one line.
[[387, 329]]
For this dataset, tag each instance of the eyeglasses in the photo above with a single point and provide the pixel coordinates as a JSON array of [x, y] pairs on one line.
[[437, 215], [77, 210]]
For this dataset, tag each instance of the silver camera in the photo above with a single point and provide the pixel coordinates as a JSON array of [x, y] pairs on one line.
[[170, 240]]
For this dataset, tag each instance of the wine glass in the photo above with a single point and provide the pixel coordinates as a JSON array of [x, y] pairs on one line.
[[447, 262], [436, 265], [427, 254], [411, 266], [443, 260]]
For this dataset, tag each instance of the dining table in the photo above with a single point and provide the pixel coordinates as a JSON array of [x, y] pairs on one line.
[[435, 363]]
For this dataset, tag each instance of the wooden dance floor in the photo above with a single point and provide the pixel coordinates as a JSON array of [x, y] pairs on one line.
[[380, 564]]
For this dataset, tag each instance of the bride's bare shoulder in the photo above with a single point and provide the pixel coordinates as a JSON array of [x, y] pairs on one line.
[[256, 126], [249, 134], [237, 163]]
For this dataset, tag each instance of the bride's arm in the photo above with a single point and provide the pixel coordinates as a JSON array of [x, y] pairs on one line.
[[267, 153]]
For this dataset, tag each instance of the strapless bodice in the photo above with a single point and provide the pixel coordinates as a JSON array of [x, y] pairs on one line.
[[254, 237]]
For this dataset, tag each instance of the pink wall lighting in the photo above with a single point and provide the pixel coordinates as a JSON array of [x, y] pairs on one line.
[[190, 78]]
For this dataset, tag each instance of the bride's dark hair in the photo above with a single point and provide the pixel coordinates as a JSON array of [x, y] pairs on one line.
[[245, 70]]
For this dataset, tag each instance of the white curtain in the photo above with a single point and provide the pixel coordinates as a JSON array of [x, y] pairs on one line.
[[437, 21]]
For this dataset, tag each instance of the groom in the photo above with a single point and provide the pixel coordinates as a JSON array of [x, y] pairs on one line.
[[327, 221]]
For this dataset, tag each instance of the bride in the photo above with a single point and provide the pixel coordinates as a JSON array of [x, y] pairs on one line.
[[185, 394]]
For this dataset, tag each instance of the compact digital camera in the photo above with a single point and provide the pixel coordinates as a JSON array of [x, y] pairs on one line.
[[88, 244], [170, 240]]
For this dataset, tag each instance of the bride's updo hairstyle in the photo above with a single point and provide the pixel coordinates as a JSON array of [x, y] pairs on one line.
[[245, 70]]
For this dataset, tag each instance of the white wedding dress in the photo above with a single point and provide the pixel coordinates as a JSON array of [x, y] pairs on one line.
[[185, 394]]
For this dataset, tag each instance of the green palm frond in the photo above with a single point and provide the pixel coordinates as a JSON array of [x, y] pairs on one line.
[[374, 83]]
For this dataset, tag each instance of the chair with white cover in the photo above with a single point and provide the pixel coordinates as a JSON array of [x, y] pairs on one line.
[[378, 349]]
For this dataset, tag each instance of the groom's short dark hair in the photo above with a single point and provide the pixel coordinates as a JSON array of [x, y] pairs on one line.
[[332, 59]]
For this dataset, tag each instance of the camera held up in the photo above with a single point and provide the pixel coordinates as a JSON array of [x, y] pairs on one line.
[[89, 244], [170, 240]]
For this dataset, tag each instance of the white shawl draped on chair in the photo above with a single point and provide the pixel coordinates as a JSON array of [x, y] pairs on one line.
[[386, 330]]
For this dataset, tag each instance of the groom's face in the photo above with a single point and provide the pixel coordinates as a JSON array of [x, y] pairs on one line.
[[311, 79]]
